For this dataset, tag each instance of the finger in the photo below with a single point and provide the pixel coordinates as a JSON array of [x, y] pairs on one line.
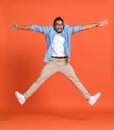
[[10, 26], [106, 21]]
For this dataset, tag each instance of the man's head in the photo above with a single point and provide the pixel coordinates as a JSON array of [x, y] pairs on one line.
[[58, 24]]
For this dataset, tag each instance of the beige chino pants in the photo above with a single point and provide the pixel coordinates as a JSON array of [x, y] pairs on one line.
[[53, 66]]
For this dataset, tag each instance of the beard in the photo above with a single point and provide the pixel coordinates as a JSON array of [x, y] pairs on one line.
[[59, 30]]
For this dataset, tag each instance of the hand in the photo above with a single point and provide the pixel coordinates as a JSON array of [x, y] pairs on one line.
[[13, 26], [103, 23]]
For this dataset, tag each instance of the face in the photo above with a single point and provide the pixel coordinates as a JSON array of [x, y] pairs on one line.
[[58, 26]]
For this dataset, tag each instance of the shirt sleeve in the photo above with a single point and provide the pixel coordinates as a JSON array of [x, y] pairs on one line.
[[76, 29], [41, 29]]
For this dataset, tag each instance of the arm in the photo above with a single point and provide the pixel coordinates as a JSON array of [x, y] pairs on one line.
[[15, 26], [41, 29], [98, 24]]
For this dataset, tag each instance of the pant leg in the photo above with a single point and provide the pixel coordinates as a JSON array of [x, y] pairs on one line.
[[69, 73], [48, 70]]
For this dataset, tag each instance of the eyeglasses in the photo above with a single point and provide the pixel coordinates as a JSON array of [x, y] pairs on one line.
[[57, 24]]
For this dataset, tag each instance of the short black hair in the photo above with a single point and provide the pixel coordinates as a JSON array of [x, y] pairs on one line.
[[57, 19]]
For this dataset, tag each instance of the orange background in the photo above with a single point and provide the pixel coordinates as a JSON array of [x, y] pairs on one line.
[[22, 53]]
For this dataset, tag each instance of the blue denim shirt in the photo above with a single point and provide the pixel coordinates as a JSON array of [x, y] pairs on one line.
[[49, 33]]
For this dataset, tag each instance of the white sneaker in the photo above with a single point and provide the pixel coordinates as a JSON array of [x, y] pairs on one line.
[[20, 97], [93, 99]]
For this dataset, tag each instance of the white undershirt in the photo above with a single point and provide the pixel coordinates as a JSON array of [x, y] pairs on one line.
[[58, 46]]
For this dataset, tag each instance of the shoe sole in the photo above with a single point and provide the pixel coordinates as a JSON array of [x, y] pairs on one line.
[[99, 94], [16, 94]]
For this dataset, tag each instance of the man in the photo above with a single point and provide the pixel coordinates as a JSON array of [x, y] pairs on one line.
[[57, 56]]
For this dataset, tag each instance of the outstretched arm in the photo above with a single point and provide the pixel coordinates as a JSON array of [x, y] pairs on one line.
[[15, 26], [98, 24]]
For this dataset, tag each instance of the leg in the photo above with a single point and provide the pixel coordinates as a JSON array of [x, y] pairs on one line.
[[69, 73], [46, 72]]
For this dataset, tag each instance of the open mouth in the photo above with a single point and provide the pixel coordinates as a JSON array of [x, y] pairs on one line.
[[59, 30]]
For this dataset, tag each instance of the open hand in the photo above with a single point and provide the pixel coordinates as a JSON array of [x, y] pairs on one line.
[[13, 26], [103, 23]]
